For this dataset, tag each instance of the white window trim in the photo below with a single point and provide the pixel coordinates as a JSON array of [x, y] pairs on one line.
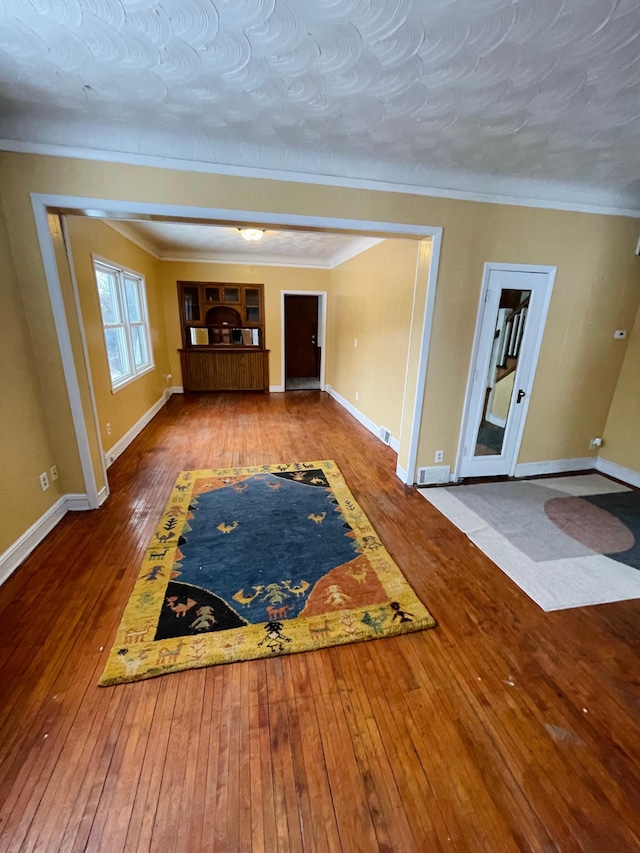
[[120, 272]]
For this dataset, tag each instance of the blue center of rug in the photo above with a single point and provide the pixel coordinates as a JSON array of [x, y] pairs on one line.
[[261, 544]]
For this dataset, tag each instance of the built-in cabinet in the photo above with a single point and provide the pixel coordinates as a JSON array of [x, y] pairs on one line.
[[223, 346]]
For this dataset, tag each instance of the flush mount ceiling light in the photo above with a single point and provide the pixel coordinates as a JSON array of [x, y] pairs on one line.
[[251, 233]]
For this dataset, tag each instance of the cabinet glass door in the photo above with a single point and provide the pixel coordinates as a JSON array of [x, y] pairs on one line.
[[252, 304], [212, 294], [231, 294], [191, 297]]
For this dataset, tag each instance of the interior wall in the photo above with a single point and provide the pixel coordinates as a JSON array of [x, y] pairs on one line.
[[124, 407], [596, 289], [26, 449], [595, 292], [371, 299], [51, 390], [622, 433], [275, 279]]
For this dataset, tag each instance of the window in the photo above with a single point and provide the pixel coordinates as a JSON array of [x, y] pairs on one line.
[[125, 321]]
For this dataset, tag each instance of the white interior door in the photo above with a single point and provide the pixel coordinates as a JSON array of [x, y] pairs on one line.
[[508, 339]]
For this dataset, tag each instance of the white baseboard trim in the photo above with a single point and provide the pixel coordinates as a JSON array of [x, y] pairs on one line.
[[363, 419], [176, 389], [276, 389], [403, 475], [627, 475], [555, 466], [31, 538], [77, 503], [121, 445], [22, 547], [103, 494]]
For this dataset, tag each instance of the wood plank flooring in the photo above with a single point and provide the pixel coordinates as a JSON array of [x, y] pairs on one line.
[[504, 729]]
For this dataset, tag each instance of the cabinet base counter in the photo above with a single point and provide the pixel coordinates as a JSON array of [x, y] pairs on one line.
[[241, 369]]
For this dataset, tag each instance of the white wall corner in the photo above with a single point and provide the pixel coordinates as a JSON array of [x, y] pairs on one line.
[[555, 466], [120, 446], [627, 475], [22, 547], [276, 389], [103, 494]]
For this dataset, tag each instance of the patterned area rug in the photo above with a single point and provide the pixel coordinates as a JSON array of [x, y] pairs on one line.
[[257, 562], [566, 541]]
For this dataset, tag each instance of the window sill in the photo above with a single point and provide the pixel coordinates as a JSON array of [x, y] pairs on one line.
[[130, 379]]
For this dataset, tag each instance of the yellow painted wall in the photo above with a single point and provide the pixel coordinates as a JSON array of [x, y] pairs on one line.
[[124, 407], [371, 298], [596, 290], [622, 432], [25, 442], [275, 279]]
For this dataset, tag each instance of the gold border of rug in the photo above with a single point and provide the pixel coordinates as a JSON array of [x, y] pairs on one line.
[[134, 657]]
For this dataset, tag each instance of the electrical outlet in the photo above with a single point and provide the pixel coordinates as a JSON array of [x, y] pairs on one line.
[[357, 396], [168, 377], [595, 442], [44, 481], [108, 429], [54, 472], [439, 457], [355, 342]]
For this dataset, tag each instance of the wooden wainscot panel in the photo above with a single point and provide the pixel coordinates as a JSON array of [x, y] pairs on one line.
[[225, 370]]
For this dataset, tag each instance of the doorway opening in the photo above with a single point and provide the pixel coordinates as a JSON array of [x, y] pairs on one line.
[[78, 380], [303, 346]]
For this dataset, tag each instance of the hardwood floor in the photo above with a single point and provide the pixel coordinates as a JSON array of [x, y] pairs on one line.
[[503, 729]]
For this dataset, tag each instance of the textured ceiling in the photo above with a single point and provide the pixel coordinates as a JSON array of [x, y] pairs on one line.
[[537, 98], [179, 240]]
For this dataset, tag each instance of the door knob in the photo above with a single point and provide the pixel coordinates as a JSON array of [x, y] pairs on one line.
[[521, 395]]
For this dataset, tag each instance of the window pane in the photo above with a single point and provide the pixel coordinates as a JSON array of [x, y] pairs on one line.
[[117, 354], [139, 344], [132, 294], [107, 291]]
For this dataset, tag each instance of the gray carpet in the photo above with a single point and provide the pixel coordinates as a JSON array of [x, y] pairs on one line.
[[566, 541]]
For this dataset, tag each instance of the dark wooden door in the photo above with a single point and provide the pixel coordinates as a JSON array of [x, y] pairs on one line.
[[301, 336]]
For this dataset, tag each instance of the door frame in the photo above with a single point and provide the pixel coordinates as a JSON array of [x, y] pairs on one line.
[[489, 267], [322, 333]]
